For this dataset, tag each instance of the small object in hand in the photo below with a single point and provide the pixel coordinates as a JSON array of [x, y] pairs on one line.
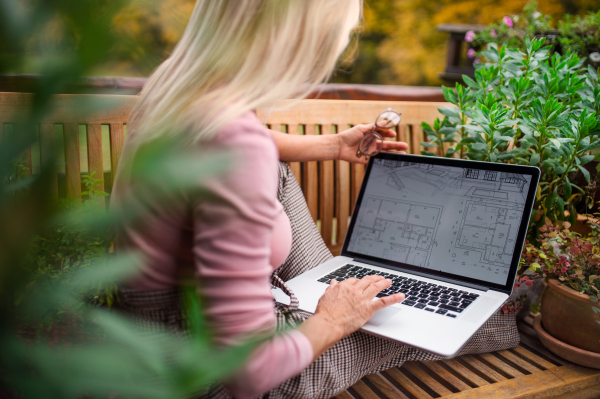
[[372, 142]]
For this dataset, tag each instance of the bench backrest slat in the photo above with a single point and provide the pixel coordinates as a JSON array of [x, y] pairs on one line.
[[330, 187]]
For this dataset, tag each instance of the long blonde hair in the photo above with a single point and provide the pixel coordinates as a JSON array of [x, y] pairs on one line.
[[236, 56]]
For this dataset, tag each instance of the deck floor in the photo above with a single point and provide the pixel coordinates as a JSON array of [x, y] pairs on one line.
[[527, 371]]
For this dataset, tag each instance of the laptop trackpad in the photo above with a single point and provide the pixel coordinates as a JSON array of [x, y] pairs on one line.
[[382, 316]]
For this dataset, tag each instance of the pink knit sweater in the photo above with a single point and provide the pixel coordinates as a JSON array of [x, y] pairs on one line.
[[231, 243]]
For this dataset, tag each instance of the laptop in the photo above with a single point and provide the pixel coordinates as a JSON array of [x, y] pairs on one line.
[[447, 232]]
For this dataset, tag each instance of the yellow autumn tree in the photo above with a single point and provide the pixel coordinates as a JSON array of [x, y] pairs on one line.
[[397, 43]]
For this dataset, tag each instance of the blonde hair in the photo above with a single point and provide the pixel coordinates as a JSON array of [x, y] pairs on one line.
[[237, 56]]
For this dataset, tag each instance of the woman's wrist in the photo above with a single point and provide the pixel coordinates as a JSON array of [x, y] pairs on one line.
[[321, 332]]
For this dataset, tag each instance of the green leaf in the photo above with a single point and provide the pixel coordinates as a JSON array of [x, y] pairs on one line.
[[428, 153], [470, 82], [567, 188], [450, 111], [534, 160], [428, 145], [479, 146], [586, 174], [585, 159]]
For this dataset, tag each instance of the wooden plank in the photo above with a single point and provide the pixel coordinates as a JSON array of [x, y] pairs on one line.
[[47, 155], [339, 112], [400, 380], [343, 199], [518, 361], [532, 357], [95, 159], [68, 109], [358, 173], [403, 133], [416, 136], [310, 179], [276, 127], [478, 365], [344, 395], [470, 376], [438, 369], [327, 194], [498, 363], [362, 391], [546, 384], [384, 387], [117, 139], [72, 161], [295, 166], [417, 371]]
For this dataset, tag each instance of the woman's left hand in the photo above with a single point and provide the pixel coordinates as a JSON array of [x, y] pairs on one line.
[[348, 142]]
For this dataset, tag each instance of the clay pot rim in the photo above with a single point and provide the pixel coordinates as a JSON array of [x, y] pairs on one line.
[[562, 349], [568, 291]]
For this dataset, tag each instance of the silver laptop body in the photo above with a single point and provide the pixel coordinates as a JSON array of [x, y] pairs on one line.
[[448, 232]]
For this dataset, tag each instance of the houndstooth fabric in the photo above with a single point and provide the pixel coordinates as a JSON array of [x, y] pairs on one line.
[[350, 359]]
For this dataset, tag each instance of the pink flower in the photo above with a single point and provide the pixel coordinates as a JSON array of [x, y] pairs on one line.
[[470, 36], [476, 61], [471, 53], [508, 22], [529, 283], [564, 269], [493, 33]]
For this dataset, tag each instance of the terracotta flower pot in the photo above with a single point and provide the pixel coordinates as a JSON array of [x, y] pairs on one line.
[[568, 316]]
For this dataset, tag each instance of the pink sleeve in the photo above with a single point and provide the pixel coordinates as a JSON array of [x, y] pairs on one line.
[[232, 235]]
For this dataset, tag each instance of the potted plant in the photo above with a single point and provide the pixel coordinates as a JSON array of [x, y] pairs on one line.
[[528, 108], [570, 264]]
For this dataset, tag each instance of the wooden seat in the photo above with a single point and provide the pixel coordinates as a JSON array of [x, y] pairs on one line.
[[527, 371], [92, 141]]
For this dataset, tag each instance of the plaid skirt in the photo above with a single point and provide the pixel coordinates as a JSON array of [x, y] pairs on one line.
[[350, 359]]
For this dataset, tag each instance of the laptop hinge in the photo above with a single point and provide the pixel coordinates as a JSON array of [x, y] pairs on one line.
[[444, 279]]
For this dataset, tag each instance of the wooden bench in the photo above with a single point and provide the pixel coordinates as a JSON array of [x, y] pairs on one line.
[[93, 141], [527, 371]]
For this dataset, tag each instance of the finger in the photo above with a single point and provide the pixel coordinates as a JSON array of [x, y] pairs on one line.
[[394, 146], [332, 284], [364, 282], [352, 281], [377, 287], [386, 301], [387, 132]]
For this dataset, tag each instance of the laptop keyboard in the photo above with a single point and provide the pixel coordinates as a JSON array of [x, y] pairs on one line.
[[420, 294]]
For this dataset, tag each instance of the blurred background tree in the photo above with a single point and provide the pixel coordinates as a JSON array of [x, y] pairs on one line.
[[397, 45]]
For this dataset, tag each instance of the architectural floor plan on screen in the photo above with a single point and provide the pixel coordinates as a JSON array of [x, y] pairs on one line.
[[458, 220]]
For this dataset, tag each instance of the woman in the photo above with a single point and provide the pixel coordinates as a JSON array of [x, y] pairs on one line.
[[236, 56]]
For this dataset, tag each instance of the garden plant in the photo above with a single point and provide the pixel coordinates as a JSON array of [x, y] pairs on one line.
[[529, 108]]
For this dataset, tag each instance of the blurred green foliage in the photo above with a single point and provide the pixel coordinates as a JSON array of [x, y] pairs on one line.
[[55, 339]]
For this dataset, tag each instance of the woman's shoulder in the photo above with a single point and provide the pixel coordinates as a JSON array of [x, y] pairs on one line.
[[245, 127]]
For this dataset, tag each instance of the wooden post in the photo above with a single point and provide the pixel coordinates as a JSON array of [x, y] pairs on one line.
[[327, 194], [295, 166], [72, 167], [117, 139], [310, 184], [95, 160]]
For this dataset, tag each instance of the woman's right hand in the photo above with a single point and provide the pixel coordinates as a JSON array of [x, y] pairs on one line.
[[344, 308]]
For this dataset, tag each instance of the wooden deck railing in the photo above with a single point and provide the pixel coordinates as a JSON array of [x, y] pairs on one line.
[[91, 140]]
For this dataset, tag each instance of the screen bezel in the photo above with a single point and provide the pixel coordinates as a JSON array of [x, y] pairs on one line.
[[534, 172]]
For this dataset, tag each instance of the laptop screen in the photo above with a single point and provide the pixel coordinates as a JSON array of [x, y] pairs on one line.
[[461, 220]]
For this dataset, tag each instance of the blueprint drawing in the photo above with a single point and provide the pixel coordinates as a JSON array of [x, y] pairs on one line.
[[462, 221]]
